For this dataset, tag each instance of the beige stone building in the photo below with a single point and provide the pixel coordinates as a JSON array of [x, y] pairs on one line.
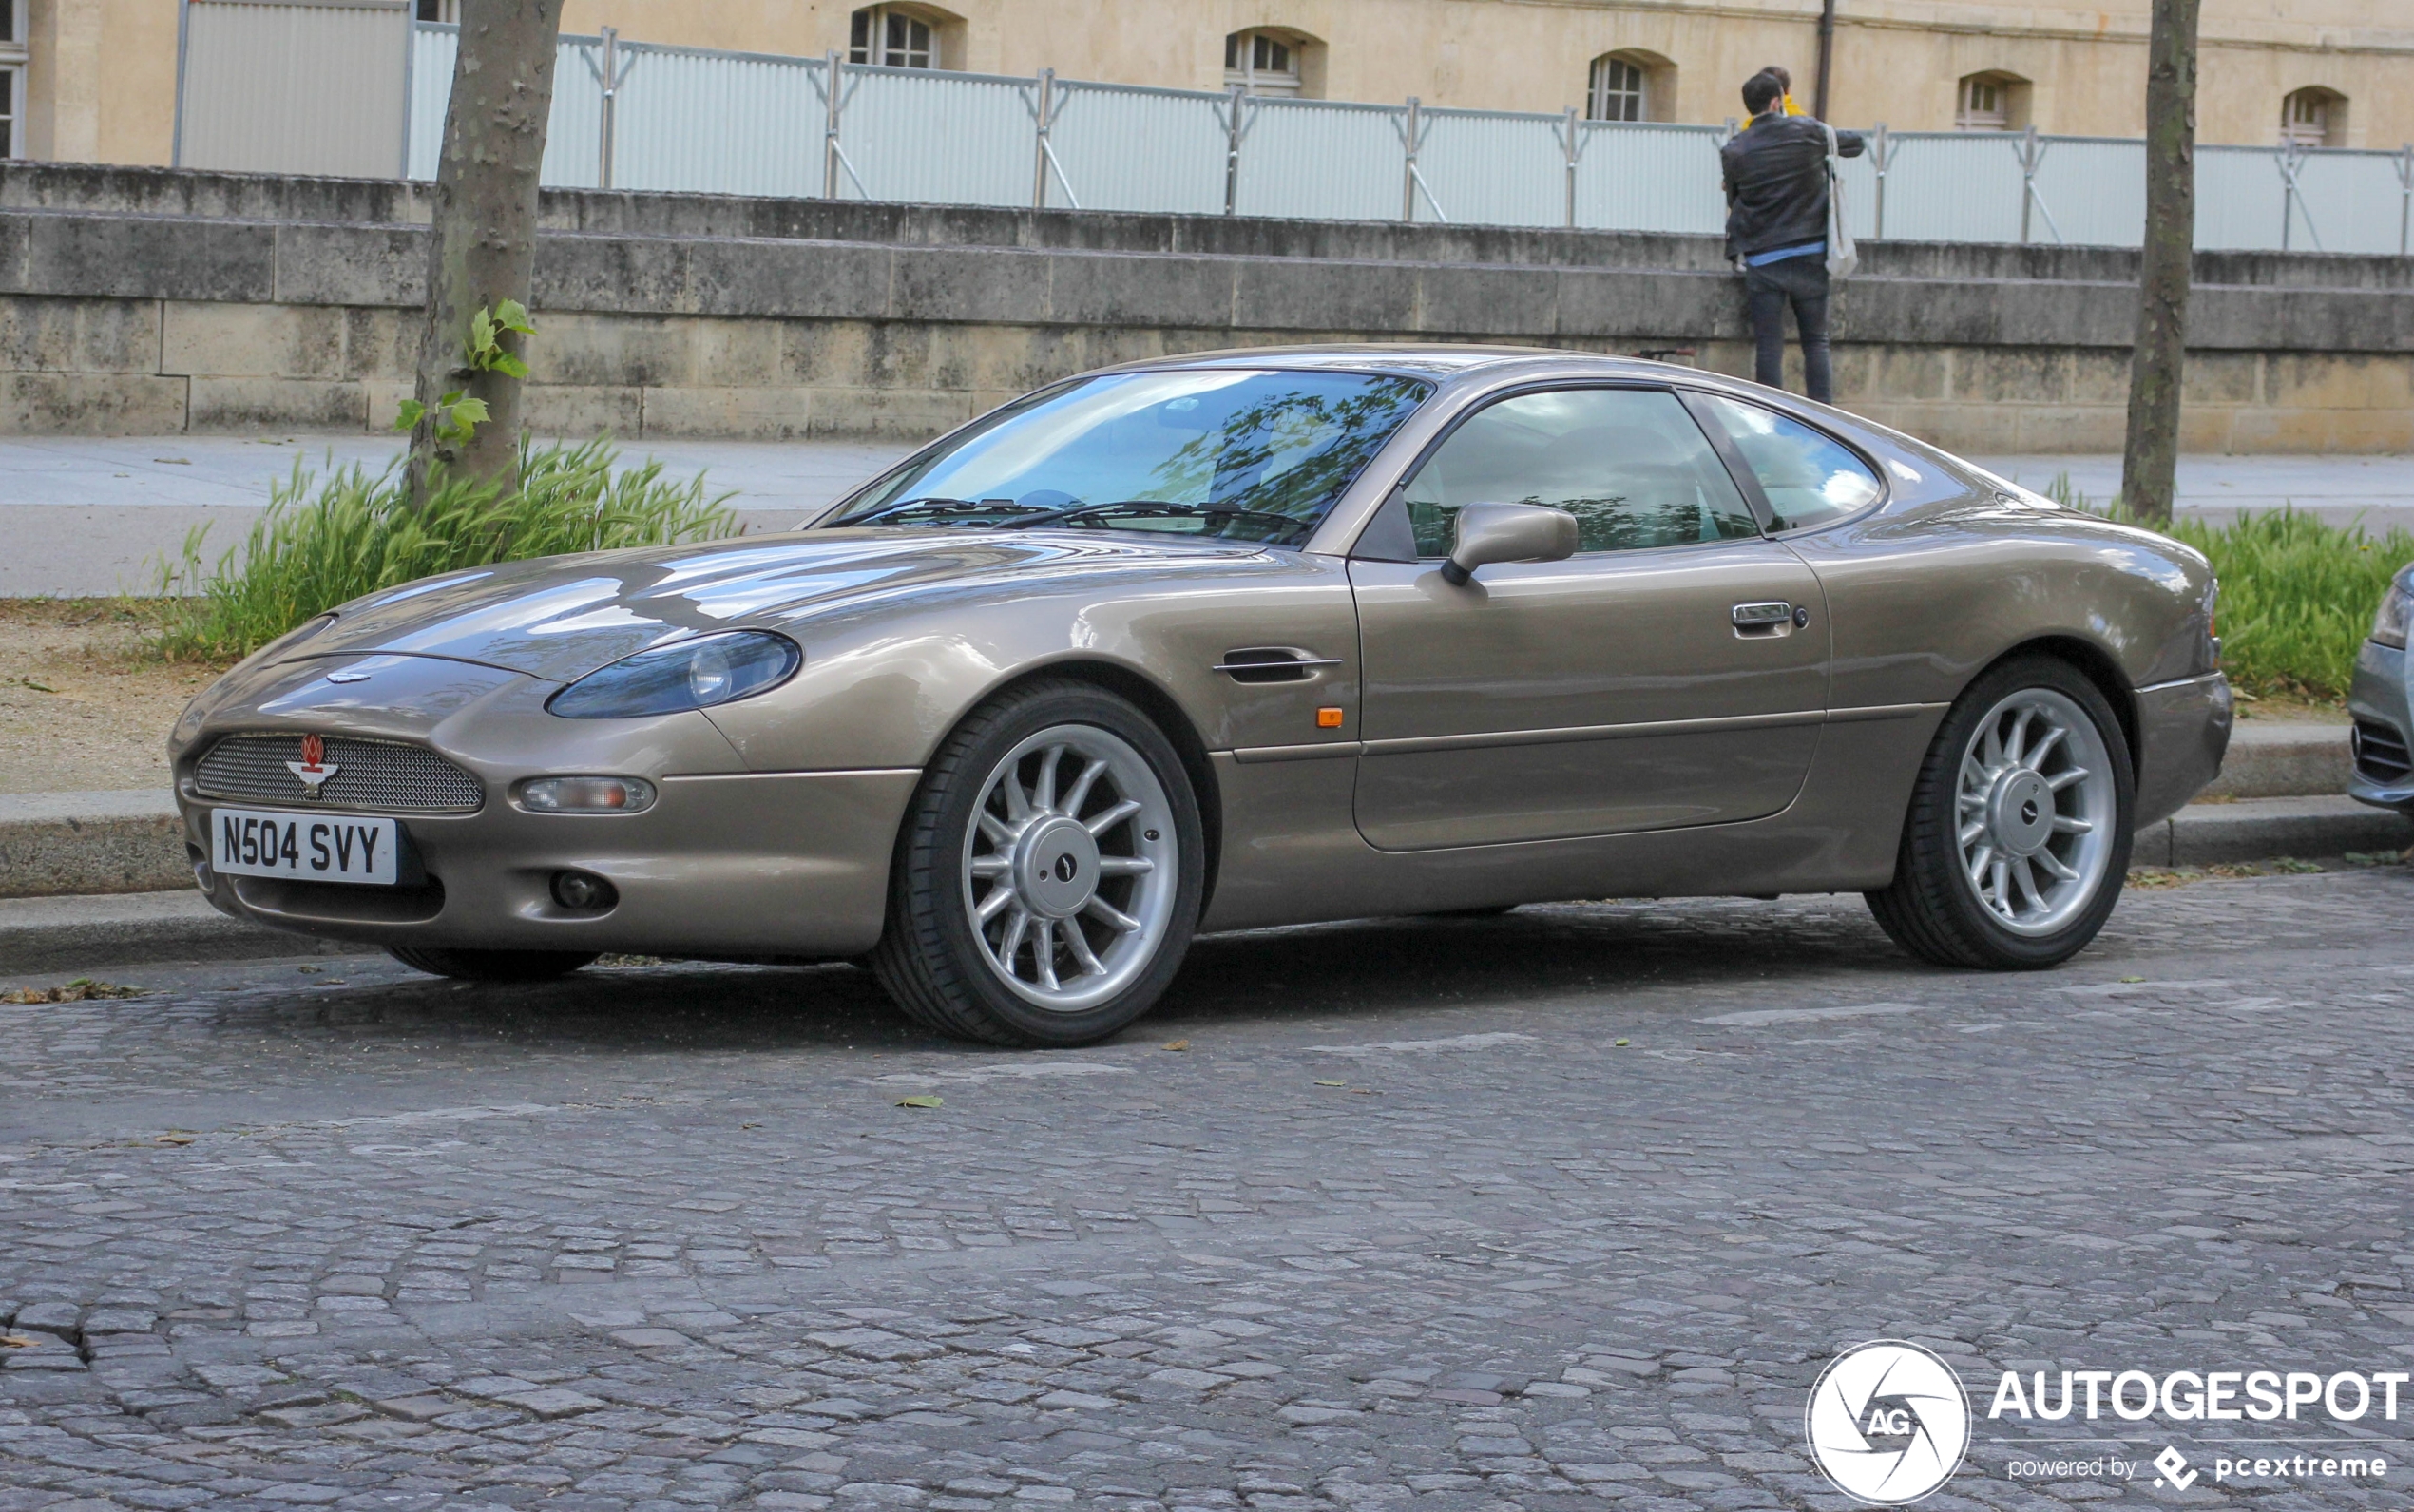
[[95, 80]]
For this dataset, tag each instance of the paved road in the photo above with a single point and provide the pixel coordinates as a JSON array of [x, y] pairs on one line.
[[93, 514], [1558, 1210]]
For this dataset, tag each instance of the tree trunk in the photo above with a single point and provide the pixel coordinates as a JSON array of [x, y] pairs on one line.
[[482, 243], [2150, 461]]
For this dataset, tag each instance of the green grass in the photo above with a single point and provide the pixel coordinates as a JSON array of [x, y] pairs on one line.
[[2297, 595], [325, 540]]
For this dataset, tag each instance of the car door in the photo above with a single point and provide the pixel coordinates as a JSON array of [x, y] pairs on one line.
[[1673, 672]]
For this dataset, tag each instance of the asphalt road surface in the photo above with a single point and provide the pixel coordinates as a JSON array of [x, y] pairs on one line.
[[1563, 1209]]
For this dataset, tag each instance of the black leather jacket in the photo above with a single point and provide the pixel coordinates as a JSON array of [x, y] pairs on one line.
[[1776, 179]]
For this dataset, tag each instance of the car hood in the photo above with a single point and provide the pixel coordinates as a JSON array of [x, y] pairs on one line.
[[561, 617]]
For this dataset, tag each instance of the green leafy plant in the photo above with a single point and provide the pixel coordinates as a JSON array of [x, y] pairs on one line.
[[459, 414], [2297, 594], [325, 540]]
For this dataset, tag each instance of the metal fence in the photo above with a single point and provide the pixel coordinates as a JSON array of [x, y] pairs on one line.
[[640, 116], [264, 85]]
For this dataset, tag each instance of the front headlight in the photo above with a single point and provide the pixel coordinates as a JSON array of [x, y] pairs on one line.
[[699, 674], [2397, 607]]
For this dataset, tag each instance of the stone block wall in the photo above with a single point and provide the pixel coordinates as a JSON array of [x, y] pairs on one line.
[[153, 301]]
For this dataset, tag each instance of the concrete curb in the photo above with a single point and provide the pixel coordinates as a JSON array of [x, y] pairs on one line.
[[66, 844], [64, 934], [2260, 828], [70, 934], [2274, 759], [75, 844]]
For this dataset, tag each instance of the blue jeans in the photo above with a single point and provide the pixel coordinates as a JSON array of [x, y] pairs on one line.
[[1803, 283]]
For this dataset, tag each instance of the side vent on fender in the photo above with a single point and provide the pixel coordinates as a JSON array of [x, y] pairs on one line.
[[1272, 664]]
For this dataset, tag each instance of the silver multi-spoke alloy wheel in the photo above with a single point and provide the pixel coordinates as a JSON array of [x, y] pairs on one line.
[[2035, 811], [1071, 866]]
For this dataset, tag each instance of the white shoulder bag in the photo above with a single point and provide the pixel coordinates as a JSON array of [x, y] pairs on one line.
[[1843, 257]]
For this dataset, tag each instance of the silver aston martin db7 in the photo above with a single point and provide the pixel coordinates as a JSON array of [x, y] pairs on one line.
[[1242, 638]]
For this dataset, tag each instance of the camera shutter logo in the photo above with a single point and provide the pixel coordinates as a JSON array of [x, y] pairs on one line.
[[1888, 1422]]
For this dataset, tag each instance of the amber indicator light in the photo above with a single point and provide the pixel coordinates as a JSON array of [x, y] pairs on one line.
[[1328, 718]]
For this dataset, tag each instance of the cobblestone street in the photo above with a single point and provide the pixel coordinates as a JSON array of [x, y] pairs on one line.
[[1562, 1208]]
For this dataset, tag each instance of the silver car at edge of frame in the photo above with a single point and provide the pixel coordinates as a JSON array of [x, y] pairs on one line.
[[1237, 639], [2382, 704]]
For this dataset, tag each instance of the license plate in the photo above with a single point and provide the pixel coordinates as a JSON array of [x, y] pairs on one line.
[[334, 848]]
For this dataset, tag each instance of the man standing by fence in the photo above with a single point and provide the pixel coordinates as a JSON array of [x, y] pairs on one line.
[[1776, 175]]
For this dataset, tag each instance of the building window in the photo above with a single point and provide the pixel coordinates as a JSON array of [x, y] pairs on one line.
[[1991, 102], [13, 60], [2314, 116], [448, 11], [893, 39], [1261, 63], [1621, 90]]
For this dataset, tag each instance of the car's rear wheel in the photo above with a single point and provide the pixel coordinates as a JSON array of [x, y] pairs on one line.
[[2017, 842], [491, 966], [1049, 873]]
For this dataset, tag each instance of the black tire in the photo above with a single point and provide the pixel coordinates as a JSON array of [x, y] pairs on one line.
[[491, 966], [1932, 908], [929, 958]]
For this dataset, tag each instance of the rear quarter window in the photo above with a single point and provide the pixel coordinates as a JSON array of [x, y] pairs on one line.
[[1808, 477]]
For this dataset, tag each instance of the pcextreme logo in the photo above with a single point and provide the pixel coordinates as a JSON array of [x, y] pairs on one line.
[[1887, 1422]]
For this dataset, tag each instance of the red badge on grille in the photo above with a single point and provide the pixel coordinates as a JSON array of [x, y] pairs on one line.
[[314, 768]]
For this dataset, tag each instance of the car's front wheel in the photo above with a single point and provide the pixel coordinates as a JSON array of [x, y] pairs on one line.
[[491, 966], [1049, 872], [2017, 842]]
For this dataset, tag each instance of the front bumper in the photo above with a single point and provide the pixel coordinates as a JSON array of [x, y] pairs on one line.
[[787, 864], [2183, 731], [727, 862], [2380, 703]]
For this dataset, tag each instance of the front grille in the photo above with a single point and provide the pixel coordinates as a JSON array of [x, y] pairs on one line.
[[2380, 753], [370, 775]]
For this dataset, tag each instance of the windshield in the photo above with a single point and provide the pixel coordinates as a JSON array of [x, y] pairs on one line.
[[1238, 454]]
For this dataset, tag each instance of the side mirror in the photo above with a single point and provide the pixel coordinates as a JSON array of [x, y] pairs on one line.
[[1508, 532]]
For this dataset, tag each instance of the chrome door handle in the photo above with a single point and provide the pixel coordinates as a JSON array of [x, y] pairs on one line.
[[1753, 616]]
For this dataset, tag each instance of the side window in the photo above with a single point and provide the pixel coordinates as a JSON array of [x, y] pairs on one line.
[[1809, 478], [1629, 463]]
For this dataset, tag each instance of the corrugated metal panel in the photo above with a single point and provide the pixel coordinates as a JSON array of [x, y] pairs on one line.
[[573, 130], [2354, 200], [1125, 148], [716, 123], [2095, 191], [433, 50], [1487, 168], [1861, 191], [2239, 194], [936, 137], [293, 88], [1955, 186], [1322, 158], [1649, 176]]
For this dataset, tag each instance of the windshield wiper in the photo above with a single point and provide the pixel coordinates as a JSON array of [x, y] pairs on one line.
[[935, 504], [1152, 508]]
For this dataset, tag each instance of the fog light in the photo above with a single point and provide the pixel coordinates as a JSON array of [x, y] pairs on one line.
[[579, 889], [586, 796]]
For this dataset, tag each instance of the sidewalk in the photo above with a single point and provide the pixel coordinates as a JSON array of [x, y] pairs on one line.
[[2340, 490], [87, 515]]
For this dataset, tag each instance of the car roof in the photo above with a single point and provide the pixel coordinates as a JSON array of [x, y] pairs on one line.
[[1406, 358]]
